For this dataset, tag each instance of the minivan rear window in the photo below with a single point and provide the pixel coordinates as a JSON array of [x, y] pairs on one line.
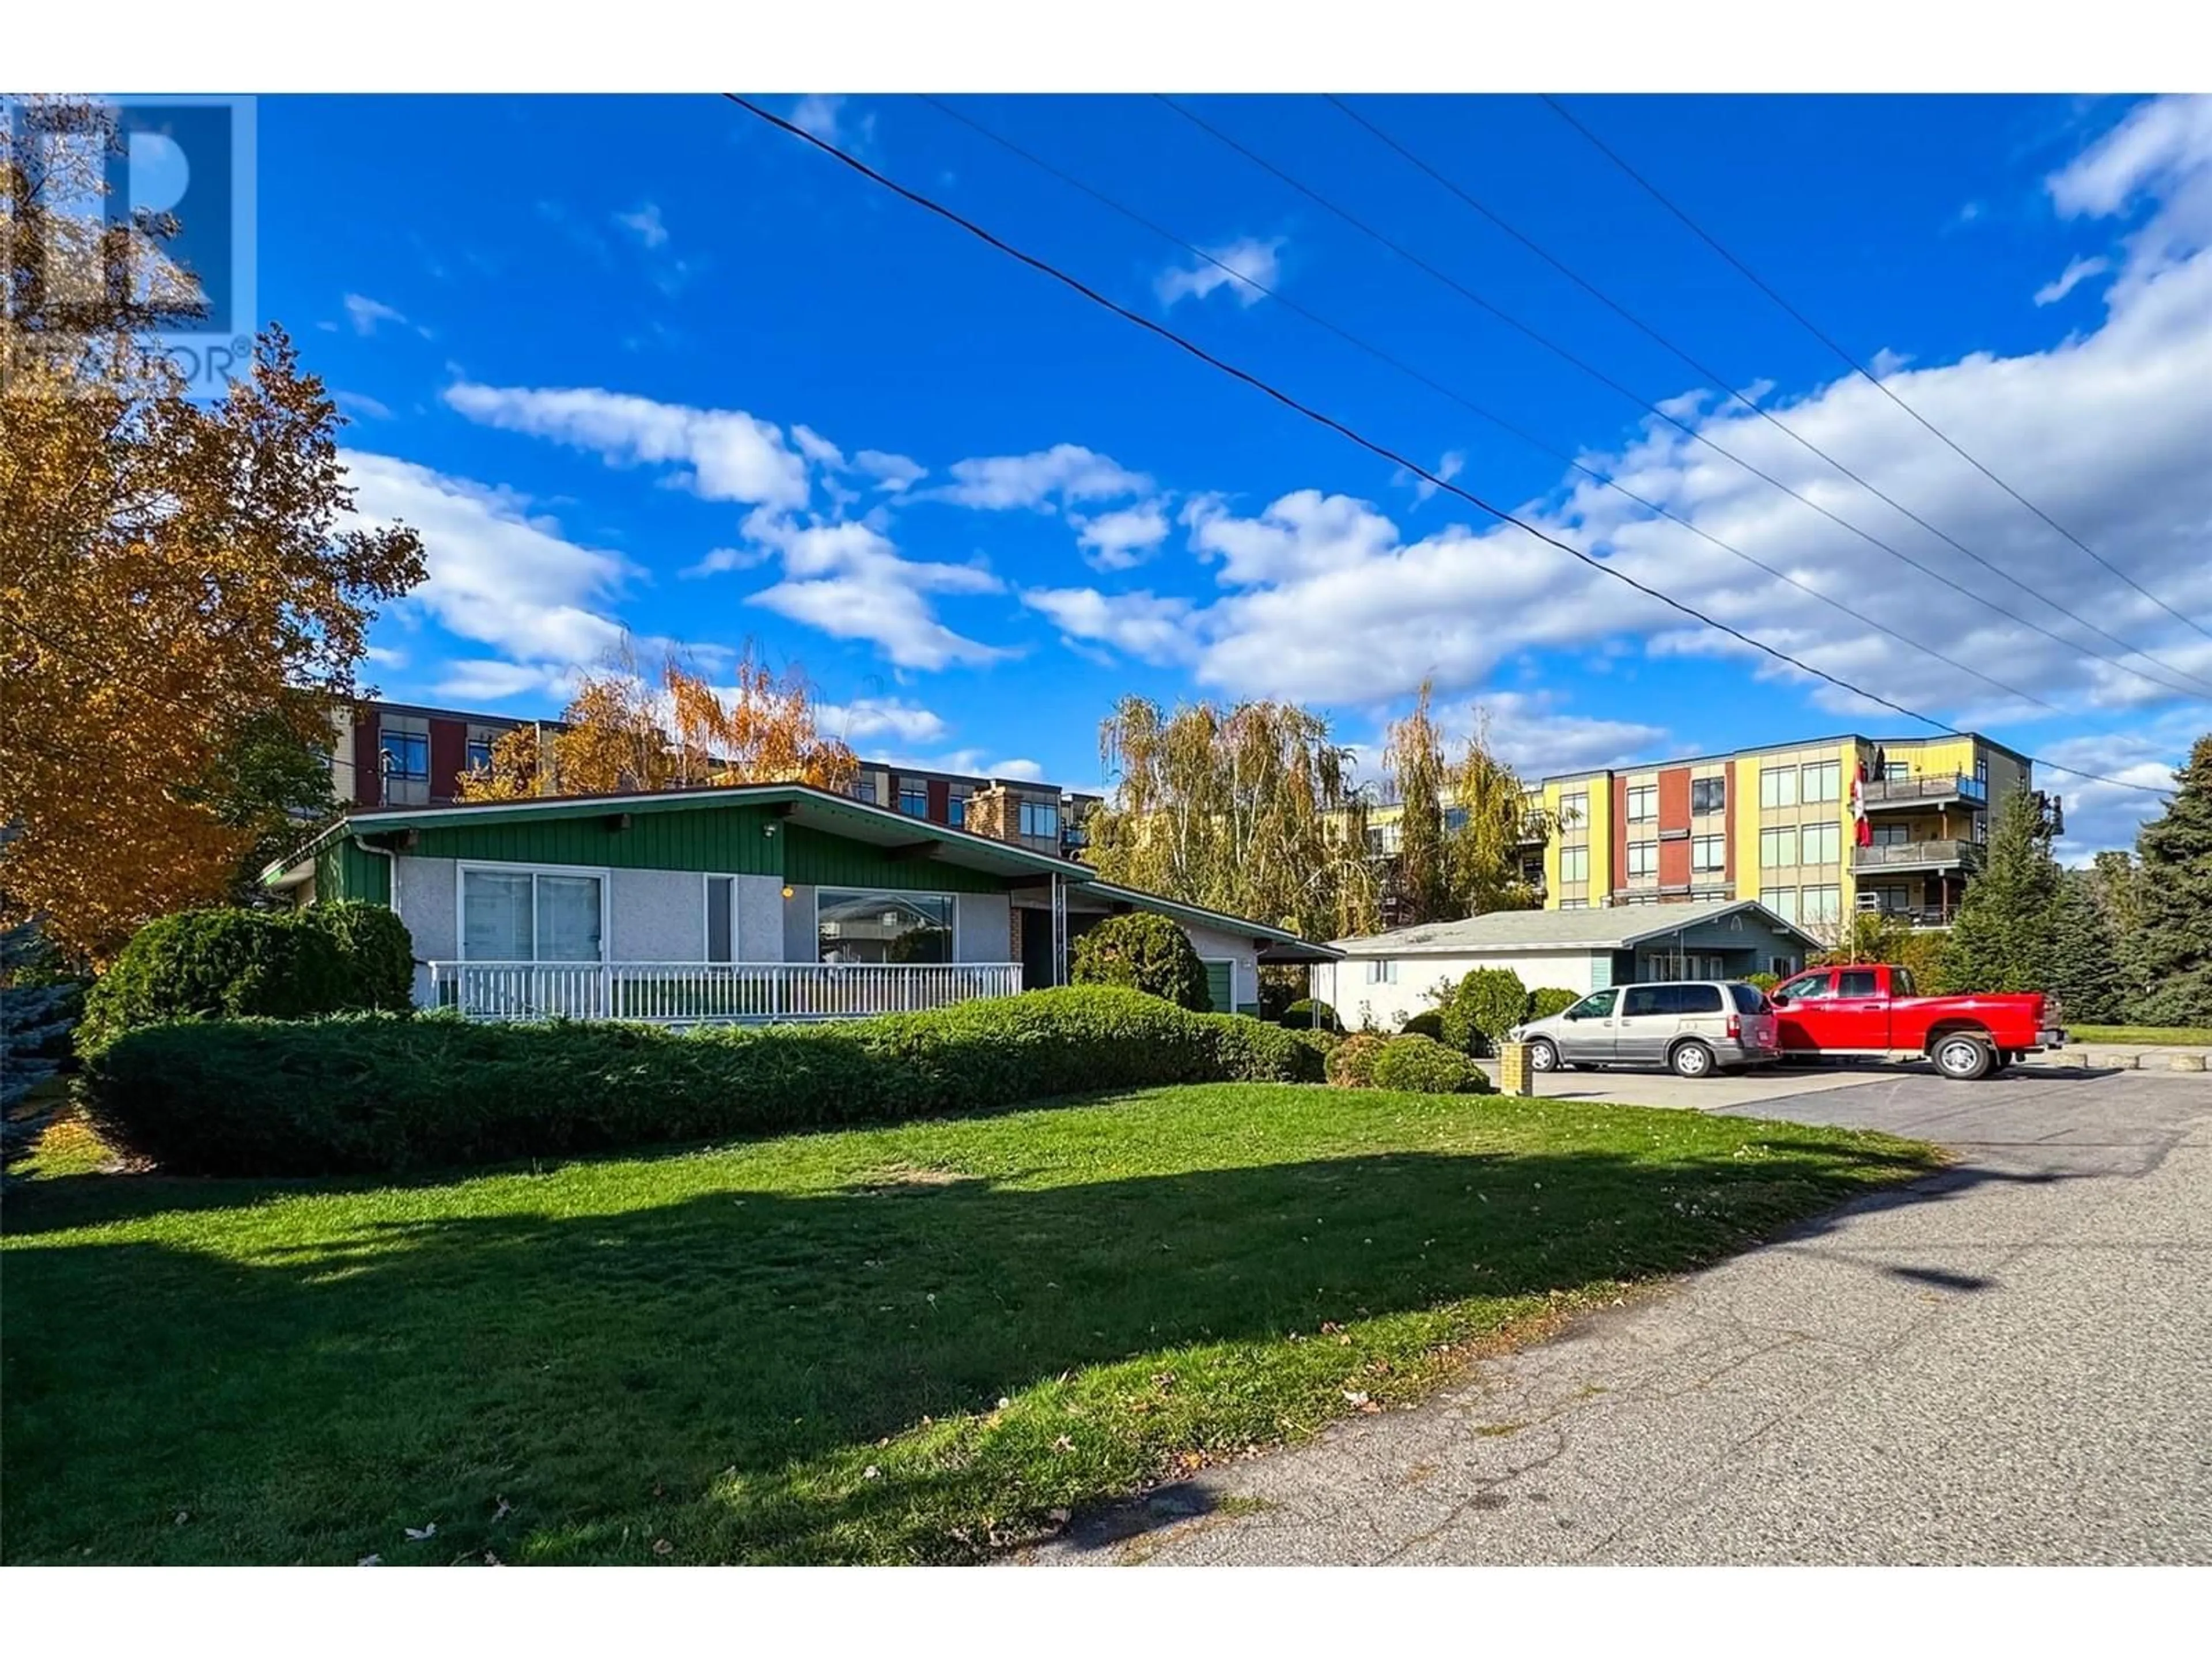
[[1671, 999], [1749, 999]]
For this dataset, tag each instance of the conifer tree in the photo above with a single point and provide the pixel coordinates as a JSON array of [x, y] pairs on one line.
[[2172, 946], [2003, 940]]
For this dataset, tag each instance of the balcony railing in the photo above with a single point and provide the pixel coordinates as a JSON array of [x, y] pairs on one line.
[[1923, 791], [1917, 855], [707, 993]]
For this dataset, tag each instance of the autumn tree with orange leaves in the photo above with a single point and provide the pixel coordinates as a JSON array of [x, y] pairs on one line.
[[182, 597], [624, 733]]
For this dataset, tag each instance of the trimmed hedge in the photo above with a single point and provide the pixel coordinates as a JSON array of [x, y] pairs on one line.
[[378, 950], [1487, 1003], [1423, 1065], [1548, 1000], [1145, 952], [1351, 1064], [374, 1093], [1429, 1023], [1309, 1014]]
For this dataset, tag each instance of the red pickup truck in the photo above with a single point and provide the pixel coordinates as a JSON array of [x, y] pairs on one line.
[[1870, 1011]]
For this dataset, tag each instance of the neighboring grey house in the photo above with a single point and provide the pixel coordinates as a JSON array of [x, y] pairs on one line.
[[1385, 977], [755, 901]]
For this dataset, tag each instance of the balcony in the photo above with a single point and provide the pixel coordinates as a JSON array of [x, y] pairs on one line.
[[1898, 857], [710, 992], [1901, 794]]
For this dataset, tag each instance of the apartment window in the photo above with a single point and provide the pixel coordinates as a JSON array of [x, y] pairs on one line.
[[1888, 900], [857, 926], [1824, 780], [1381, 970], [1643, 858], [475, 755], [1777, 849], [1040, 818], [1709, 853], [409, 756], [1708, 795], [721, 917], [1821, 904], [1823, 842], [1574, 864], [1643, 803], [1778, 786], [1982, 772], [1892, 835], [1782, 901], [1575, 809], [914, 797], [1896, 771], [956, 811], [1574, 904], [529, 915], [1455, 819], [863, 789]]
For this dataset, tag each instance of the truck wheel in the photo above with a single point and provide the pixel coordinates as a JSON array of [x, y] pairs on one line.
[[1962, 1056], [1543, 1056], [1691, 1060]]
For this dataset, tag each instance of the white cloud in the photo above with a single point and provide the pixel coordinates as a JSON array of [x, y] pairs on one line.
[[2099, 814], [365, 313], [1453, 463], [1244, 267], [1124, 538], [499, 575], [1530, 732], [818, 448], [385, 656], [893, 474], [1066, 472], [360, 403], [2078, 271], [726, 558], [974, 761], [848, 580], [645, 223], [1151, 626], [723, 454], [488, 680], [825, 115], [866, 720]]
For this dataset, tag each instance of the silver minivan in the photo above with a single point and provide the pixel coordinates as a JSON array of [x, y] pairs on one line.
[[1691, 1027]]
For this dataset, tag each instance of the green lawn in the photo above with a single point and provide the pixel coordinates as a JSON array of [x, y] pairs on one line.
[[2147, 1035], [895, 1344]]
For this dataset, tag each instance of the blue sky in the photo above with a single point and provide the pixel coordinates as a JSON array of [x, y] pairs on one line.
[[649, 364]]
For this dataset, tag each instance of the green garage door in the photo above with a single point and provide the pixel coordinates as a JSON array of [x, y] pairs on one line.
[[1218, 987]]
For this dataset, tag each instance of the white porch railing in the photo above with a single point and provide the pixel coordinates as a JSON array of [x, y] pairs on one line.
[[688, 993]]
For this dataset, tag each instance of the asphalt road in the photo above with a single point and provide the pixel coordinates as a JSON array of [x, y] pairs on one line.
[[2008, 1363]]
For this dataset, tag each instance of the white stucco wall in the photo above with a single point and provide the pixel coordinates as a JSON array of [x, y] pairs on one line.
[[982, 928], [1389, 1007], [656, 915], [1241, 953]]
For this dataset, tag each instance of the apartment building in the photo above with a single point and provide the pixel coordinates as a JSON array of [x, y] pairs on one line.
[[392, 754], [1780, 824]]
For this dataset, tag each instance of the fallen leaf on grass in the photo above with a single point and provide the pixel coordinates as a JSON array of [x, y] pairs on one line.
[[370, 1561], [872, 1473], [504, 1509], [429, 1530], [662, 1546], [1063, 1445]]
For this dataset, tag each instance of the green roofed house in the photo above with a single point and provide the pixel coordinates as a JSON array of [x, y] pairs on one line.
[[757, 901]]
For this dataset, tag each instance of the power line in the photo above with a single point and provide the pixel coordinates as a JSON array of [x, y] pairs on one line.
[[1498, 421], [1736, 396], [1860, 368], [1381, 451], [1687, 431]]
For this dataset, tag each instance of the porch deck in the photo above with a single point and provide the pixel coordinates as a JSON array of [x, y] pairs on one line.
[[708, 992]]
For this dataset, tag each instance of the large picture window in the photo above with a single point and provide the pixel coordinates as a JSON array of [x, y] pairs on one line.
[[1824, 780], [1574, 864], [1778, 786], [855, 925], [529, 915], [1823, 842], [1039, 819]]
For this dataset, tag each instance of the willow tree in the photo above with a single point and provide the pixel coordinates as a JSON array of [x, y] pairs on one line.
[[1464, 822], [1248, 810], [184, 592]]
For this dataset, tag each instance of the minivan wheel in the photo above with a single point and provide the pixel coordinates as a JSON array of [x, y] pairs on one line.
[[1543, 1056], [1692, 1060], [1963, 1057]]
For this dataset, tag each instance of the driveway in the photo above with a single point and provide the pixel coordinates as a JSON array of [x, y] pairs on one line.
[[2006, 1363]]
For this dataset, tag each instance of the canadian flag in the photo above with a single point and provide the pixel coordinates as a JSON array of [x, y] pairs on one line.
[[1861, 828]]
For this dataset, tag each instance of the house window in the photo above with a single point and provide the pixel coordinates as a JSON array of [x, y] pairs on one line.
[[1709, 853], [721, 917], [863, 789], [1643, 858], [1777, 849], [1381, 970], [1643, 803], [1708, 795], [956, 811], [1824, 780], [1782, 901], [1778, 786], [1040, 819], [1823, 842], [1822, 905], [1574, 864], [529, 915], [914, 797], [1575, 808], [852, 926]]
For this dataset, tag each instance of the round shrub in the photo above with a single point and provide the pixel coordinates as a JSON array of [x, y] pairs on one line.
[[1422, 1066], [1143, 952], [1482, 1008], [1309, 1014], [1429, 1023], [1548, 1000], [1351, 1064], [378, 950], [217, 965], [1247, 1050], [1321, 1040]]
